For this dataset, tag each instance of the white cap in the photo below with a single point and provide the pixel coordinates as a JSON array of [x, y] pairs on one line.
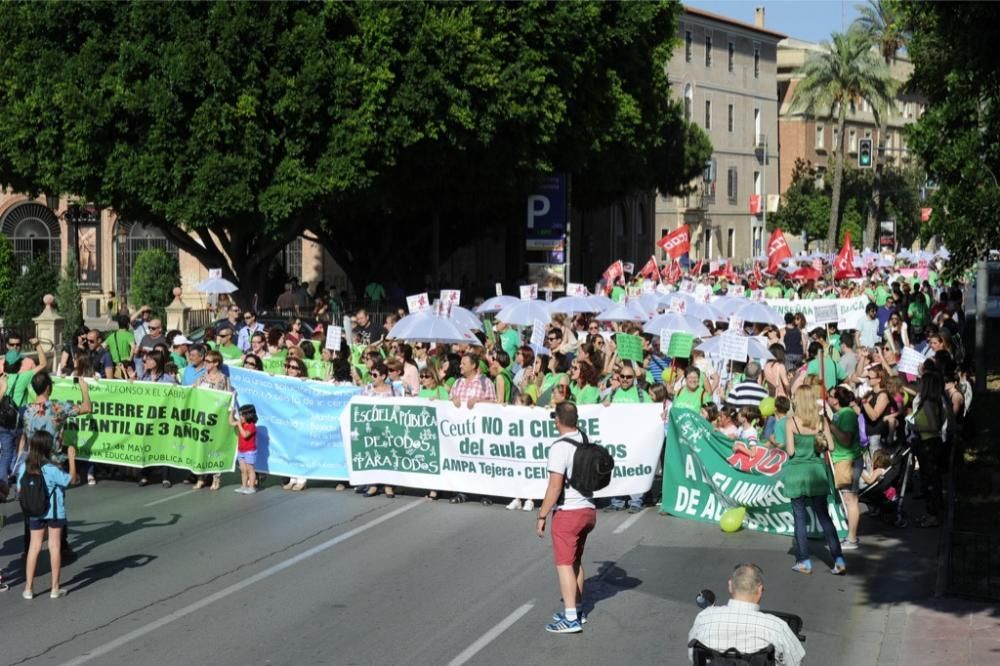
[[181, 340]]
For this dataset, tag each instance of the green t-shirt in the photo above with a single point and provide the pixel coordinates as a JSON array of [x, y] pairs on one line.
[[510, 340], [18, 385], [833, 374], [772, 292], [631, 395], [881, 295], [847, 421], [693, 400], [617, 294], [790, 293], [120, 345], [779, 430], [437, 393], [375, 292], [229, 351], [588, 395], [918, 312], [179, 360]]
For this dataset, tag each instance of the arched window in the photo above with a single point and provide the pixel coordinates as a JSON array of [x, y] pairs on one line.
[[33, 230], [290, 259], [130, 239]]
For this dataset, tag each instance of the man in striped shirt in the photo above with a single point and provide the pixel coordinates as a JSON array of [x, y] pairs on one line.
[[749, 392], [740, 624]]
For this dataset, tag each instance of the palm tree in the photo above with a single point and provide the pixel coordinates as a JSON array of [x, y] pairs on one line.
[[881, 24], [841, 75]]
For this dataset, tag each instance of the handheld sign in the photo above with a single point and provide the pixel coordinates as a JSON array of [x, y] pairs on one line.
[[499, 288], [826, 314], [681, 345], [629, 347], [214, 273], [334, 335], [529, 292], [538, 333], [348, 329], [734, 347], [910, 361], [417, 303], [451, 296], [664, 340], [735, 325], [678, 305]]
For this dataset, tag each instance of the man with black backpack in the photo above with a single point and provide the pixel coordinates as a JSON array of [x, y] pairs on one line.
[[577, 469]]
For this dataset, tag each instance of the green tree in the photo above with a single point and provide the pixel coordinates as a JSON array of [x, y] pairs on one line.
[[24, 302], [154, 276], [69, 302], [852, 221], [804, 208], [8, 271], [956, 135], [237, 127], [843, 73], [881, 23]]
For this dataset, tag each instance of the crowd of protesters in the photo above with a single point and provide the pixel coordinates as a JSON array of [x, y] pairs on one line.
[[829, 397]]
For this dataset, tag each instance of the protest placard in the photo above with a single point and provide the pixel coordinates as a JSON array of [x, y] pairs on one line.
[[826, 313], [681, 345], [418, 303], [529, 292], [498, 287], [705, 473], [910, 361], [629, 347], [138, 424], [451, 296], [538, 333], [734, 347], [736, 325], [499, 450], [678, 305], [334, 335]]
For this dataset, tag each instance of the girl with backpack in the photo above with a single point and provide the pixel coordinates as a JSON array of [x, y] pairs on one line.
[[43, 501]]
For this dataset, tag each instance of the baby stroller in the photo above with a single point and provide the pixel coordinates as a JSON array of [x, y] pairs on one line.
[[885, 496]]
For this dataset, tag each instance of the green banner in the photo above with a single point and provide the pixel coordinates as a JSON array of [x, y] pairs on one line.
[[629, 347], [681, 345], [139, 424], [705, 473]]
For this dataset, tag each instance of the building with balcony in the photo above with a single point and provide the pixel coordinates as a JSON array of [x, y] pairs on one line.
[[725, 71], [813, 139]]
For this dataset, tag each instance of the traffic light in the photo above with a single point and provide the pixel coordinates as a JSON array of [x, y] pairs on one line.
[[865, 153]]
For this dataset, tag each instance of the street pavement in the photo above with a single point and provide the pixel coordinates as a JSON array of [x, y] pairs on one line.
[[176, 576]]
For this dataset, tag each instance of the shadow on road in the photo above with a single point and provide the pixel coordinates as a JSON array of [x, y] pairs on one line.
[[609, 580], [86, 540], [99, 571]]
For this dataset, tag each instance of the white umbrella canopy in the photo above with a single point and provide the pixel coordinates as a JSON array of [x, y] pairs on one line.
[[601, 301], [465, 318], [755, 348], [575, 304], [649, 302], [760, 313], [674, 321], [496, 304], [728, 305], [704, 312], [429, 327], [216, 286], [623, 312], [525, 313]]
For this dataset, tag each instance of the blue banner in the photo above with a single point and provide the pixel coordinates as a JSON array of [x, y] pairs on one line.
[[298, 423]]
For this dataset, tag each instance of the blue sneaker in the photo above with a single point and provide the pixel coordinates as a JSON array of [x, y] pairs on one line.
[[560, 615], [805, 567], [564, 626], [839, 567]]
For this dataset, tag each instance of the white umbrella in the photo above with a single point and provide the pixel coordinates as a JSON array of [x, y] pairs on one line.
[[524, 313], [465, 319], [728, 305], [631, 311], [649, 302], [760, 313], [496, 304], [428, 327], [601, 301], [704, 312], [674, 321], [216, 286], [575, 304], [755, 349]]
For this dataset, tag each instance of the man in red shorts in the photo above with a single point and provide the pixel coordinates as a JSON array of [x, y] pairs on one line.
[[572, 520]]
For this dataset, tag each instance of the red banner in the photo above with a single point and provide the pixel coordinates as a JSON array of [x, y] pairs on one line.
[[843, 265], [777, 251], [677, 242], [650, 269], [755, 204], [613, 272], [696, 269]]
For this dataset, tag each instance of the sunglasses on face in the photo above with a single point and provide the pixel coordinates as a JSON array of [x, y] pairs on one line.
[[248, 317], [376, 375], [626, 376], [154, 328], [13, 344], [291, 366]]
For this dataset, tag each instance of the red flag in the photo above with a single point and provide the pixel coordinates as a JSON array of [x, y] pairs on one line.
[[650, 270], [843, 265], [696, 269], [613, 272], [677, 242], [756, 274], [674, 273], [777, 251]]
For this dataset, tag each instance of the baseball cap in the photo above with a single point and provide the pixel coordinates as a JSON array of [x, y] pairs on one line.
[[182, 340]]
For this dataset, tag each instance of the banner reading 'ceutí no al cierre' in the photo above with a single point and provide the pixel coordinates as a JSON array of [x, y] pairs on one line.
[[137, 424], [704, 474], [490, 449]]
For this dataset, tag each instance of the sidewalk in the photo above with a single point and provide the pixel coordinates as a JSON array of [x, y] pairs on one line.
[[942, 631]]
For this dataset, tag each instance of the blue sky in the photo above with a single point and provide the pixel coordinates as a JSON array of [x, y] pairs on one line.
[[811, 20]]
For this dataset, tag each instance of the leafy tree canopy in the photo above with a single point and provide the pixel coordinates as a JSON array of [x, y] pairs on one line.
[[247, 124], [956, 135]]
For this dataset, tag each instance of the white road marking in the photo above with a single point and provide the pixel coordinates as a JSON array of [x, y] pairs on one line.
[[172, 497], [491, 635], [236, 587], [629, 522]]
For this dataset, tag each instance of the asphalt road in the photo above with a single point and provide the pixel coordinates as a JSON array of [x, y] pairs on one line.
[[324, 577]]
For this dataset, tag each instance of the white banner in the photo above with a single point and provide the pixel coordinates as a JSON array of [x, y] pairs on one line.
[[491, 449], [850, 311]]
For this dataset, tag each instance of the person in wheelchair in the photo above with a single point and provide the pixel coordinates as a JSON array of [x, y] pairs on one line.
[[741, 626]]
